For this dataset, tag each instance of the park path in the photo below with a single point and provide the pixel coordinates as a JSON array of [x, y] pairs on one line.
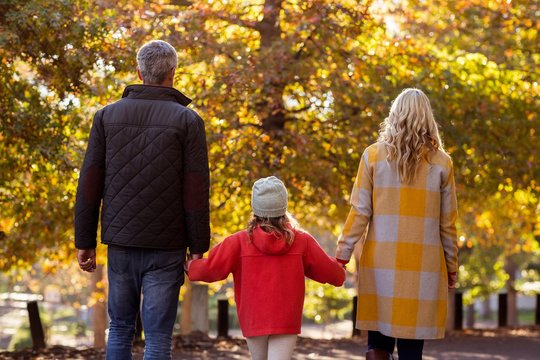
[[10, 320], [467, 345]]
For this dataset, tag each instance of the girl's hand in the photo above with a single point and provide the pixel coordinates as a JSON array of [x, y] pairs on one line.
[[342, 263]]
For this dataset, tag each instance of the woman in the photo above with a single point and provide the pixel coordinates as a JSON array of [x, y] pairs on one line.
[[404, 195]]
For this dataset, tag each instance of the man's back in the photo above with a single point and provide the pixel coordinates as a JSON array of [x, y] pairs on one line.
[[150, 152]]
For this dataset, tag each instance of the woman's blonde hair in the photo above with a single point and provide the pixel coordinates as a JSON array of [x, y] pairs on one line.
[[281, 226], [410, 132]]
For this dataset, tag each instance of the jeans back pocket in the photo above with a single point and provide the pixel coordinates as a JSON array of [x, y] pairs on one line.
[[118, 259]]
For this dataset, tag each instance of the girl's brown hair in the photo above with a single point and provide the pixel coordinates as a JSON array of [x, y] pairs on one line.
[[281, 226]]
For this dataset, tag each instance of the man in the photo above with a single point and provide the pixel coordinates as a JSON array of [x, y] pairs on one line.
[[146, 167]]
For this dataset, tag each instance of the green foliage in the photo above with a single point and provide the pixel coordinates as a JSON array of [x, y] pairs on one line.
[[503, 228], [48, 50], [326, 303], [21, 339], [483, 273]]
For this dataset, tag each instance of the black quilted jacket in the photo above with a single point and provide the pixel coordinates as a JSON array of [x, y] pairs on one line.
[[146, 167]]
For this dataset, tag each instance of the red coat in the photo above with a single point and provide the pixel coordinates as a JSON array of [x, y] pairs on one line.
[[269, 276]]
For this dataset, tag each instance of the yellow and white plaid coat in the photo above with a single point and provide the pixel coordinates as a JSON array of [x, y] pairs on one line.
[[410, 246]]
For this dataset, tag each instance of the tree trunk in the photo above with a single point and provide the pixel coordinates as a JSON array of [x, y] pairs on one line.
[[185, 322], [451, 310], [269, 27], [271, 109], [470, 316], [511, 268], [486, 308], [99, 308]]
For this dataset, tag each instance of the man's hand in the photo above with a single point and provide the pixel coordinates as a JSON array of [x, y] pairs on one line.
[[452, 280], [190, 258], [195, 256], [87, 259]]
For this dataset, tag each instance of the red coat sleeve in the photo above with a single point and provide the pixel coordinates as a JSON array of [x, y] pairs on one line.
[[321, 267], [221, 261]]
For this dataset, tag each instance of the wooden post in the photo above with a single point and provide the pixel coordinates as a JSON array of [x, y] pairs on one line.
[[199, 307], [451, 309], [503, 310], [511, 268], [355, 331], [223, 318], [458, 311], [99, 309], [537, 315], [185, 322], [36, 328], [471, 314]]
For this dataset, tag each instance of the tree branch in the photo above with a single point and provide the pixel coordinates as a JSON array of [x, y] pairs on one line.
[[236, 20]]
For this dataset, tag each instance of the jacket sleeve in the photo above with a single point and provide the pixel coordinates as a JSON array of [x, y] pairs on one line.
[[320, 267], [221, 261], [360, 213], [448, 220], [196, 187], [90, 187]]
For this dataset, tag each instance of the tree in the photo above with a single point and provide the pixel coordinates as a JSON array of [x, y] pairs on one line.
[[50, 55]]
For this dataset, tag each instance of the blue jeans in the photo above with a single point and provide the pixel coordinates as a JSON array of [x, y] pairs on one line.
[[158, 275]]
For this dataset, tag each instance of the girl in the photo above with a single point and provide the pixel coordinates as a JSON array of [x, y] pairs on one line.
[[269, 261], [404, 196]]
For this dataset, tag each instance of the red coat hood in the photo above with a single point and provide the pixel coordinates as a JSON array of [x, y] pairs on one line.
[[269, 243]]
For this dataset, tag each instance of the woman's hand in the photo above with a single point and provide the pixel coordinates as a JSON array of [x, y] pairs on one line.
[[452, 280]]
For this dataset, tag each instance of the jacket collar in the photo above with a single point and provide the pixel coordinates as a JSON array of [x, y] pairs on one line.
[[155, 92]]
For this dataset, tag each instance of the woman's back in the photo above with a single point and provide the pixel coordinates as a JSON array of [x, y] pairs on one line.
[[415, 201], [408, 247]]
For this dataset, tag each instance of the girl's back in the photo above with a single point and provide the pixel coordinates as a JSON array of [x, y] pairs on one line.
[[269, 277]]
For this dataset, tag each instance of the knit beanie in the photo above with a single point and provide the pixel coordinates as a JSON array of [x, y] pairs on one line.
[[269, 197]]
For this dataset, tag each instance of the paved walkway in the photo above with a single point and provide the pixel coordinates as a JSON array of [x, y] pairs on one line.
[[10, 320], [468, 345]]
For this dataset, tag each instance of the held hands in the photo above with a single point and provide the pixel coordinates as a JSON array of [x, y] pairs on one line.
[[87, 259], [190, 258], [195, 256], [343, 263], [452, 280]]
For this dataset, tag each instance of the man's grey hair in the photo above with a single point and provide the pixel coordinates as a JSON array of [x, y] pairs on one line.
[[155, 60]]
